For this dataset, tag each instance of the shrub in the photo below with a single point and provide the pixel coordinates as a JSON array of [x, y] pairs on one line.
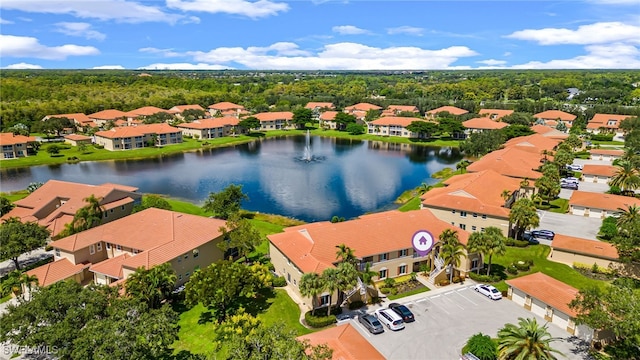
[[48, 247], [443, 282], [319, 321], [356, 305], [98, 146], [512, 269], [602, 137], [614, 190], [456, 279], [521, 265], [385, 290], [279, 281], [375, 300], [484, 278], [516, 243], [627, 282], [389, 282]]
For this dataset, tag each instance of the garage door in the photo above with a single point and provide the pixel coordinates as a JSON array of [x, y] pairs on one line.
[[538, 307], [518, 297], [595, 213], [561, 319], [577, 210], [588, 178]]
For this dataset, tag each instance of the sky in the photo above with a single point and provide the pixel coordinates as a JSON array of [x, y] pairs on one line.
[[319, 35]]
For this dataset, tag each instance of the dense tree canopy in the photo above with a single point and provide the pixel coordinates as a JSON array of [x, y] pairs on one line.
[[5, 205], [20, 238], [226, 202], [481, 143]]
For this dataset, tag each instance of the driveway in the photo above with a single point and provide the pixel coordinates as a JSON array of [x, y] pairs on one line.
[[567, 224], [445, 321]]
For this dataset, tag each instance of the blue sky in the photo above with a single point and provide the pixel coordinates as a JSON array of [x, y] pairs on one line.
[[313, 35]]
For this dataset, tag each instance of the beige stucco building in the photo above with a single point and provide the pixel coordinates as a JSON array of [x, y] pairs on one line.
[[138, 137], [15, 146]]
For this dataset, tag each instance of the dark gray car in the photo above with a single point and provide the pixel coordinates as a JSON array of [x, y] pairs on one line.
[[371, 323]]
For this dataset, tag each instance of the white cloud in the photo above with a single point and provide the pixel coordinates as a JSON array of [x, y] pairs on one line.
[[492, 62], [254, 10], [614, 56], [23, 66], [339, 56], [597, 33], [409, 30], [616, 2], [508, 53], [5, 22], [163, 52], [108, 67], [349, 30], [24, 46], [79, 29], [117, 10], [184, 66]]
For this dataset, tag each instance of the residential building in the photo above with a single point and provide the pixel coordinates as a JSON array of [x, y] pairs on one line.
[[549, 299], [113, 251], [137, 137], [606, 154], [76, 139], [59, 270], [210, 128], [608, 123], [450, 109], [16, 146], [482, 124], [475, 201], [80, 120], [549, 132], [599, 174], [328, 120], [512, 162], [319, 106], [551, 117], [360, 110], [382, 240], [495, 114], [598, 205], [345, 341], [392, 126], [226, 109], [179, 109], [144, 112], [102, 117], [535, 143], [570, 250], [395, 110], [275, 120], [54, 204]]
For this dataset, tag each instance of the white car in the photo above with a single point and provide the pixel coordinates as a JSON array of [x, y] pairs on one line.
[[390, 318], [489, 291], [574, 167]]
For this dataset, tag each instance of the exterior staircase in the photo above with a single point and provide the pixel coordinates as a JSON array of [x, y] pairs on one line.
[[437, 270]]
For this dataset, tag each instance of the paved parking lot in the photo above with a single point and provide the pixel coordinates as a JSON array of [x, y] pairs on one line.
[[572, 225], [445, 321]]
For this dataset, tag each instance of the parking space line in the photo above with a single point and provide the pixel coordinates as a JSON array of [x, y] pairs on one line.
[[453, 302], [439, 306], [466, 298], [421, 300]]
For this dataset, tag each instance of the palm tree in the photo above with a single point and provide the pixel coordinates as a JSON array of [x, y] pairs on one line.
[[368, 277], [629, 215], [331, 278], [506, 194], [347, 278], [477, 244], [312, 284], [346, 254], [523, 215], [451, 251], [495, 243], [29, 281], [423, 188], [153, 285], [627, 177], [449, 236], [526, 341], [462, 166]]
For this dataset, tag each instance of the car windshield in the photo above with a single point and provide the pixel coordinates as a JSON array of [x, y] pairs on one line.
[[494, 290], [375, 323], [397, 322]]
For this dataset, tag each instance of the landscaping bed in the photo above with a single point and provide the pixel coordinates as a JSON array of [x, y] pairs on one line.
[[395, 289]]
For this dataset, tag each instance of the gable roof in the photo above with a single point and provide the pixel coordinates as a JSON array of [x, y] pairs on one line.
[[273, 116], [533, 143], [110, 114], [495, 114], [607, 202], [311, 247], [484, 123], [328, 115], [548, 290], [181, 108], [450, 109], [600, 170], [510, 161], [11, 139], [555, 115], [319, 105], [210, 123], [395, 120], [77, 117], [58, 270], [225, 105], [593, 248], [111, 267], [140, 130], [146, 111], [602, 121], [346, 342], [401, 108], [77, 137], [479, 193], [363, 107]]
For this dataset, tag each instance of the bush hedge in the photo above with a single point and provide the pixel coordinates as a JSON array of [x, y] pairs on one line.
[[522, 265], [602, 137], [279, 281], [443, 282], [516, 243], [484, 278], [356, 305], [321, 319], [511, 269]]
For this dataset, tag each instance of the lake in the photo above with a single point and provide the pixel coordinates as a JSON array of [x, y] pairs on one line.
[[346, 178]]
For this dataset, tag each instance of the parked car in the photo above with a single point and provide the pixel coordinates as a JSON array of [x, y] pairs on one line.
[[489, 291], [371, 323], [569, 185], [530, 238], [390, 318], [403, 311], [543, 234], [574, 167], [569, 180]]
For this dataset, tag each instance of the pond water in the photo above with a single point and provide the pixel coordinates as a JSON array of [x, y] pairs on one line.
[[344, 177]]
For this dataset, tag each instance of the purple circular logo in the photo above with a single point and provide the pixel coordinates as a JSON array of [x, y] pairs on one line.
[[422, 242]]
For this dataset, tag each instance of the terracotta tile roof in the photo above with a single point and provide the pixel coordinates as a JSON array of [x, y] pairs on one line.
[[495, 114], [328, 115], [484, 123], [401, 108], [120, 187], [479, 193], [600, 170], [110, 267], [554, 115], [395, 120], [450, 109], [362, 107], [602, 121], [111, 114], [549, 132], [146, 111], [210, 123], [534, 143], [225, 105], [77, 137], [601, 201], [58, 270], [511, 161], [607, 152], [181, 108], [346, 343], [77, 117], [594, 248], [319, 105], [548, 290], [11, 139], [272, 116], [551, 123], [140, 130], [311, 247]]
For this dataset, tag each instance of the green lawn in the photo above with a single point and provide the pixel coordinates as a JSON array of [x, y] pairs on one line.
[[613, 142], [392, 139], [408, 293], [413, 204], [560, 206], [15, 195], [538, 254]]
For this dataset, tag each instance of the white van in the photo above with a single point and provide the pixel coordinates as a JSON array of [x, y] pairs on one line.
[[390, 318]]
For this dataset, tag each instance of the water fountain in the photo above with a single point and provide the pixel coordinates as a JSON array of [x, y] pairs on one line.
[[306, 156]]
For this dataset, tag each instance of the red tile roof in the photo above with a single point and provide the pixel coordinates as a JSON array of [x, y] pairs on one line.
[[140, 130], [11, 139], [607, 152], [311, 247], [479, 193], [226, 106], [363, 107], [181, 108], [328, 115], [272, 116], [495, 114], [555, 115], [484, 123], [534, 143], [593, 248], [77, 137], [511, 161], [548, 290], [58, 270], [450, 109], [146, 111], [607, 202], [111, 114], [602, 121], [210, 123], [80, 118], [600, 170], [111, 267], [346, 343], [401, 108], [395, 120], [319, 105]]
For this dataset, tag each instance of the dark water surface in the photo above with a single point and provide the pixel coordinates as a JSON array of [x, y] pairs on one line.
[[345, 177]]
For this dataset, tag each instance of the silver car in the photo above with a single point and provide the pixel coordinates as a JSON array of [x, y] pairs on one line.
[[371, 323]]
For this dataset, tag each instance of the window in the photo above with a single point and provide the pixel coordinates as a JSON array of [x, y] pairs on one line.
[[402, 269], [122, 207], [463, 213], [58, 252], [187, 274], [383, 274], [403, 252], [196, 253], [324, 300], [186, 256], [288, 277], [473, 228], [484, 217], [99, 246], [383, 257], [108, 246], [180, 277], [295, 282], [453, 211], [481, 229], [463, 226], [474, 263], [106, 214], [475, 215], [118, 248]]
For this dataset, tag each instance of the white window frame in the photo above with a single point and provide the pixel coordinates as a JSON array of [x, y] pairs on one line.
[[383, 273], [99, 246], [383, 257], [402, 271], [92, 249], [118, 247]]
